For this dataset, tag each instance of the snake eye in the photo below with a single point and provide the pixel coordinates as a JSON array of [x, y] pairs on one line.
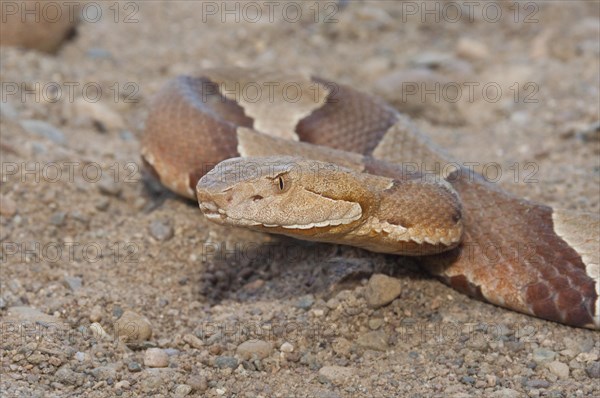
[[281, 185]]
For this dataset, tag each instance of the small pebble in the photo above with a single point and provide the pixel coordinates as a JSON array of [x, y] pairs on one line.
[[375, 323], [80, 356], [197, 382], [333, 303], [254, 349], [319, 312], [182, 390], [593, 370], [382, 290], [254, 286], [160, 230], [45, 130], [183, 280], [559, 369], [74, 283], [66, 376], [224, 361], [215, 349], [376, 340], [541, 355], [286, 347], [193, 341], [335, 374], [96, 314], [132, 327], [102, 203], [36, 358], [162, 302], [467, 379], [58, 218], [537, 383], [305, 302], [117, 311], [342, 346], [171, 351], [122, 385], [108, 186], [104, 373], [134, 367], [156, 358], [98, 332], [587, 345]]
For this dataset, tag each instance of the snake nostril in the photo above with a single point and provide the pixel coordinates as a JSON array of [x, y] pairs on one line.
[[256, 197]]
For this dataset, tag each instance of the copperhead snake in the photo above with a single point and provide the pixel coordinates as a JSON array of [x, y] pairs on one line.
[[302, 156]]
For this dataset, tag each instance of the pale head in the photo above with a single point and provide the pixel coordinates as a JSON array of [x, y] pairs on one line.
[[284, 193]]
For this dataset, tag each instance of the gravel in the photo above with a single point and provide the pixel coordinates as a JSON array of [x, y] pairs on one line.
[[182, 276]]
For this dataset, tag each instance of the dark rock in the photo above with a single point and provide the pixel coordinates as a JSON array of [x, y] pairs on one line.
[[224, 361]]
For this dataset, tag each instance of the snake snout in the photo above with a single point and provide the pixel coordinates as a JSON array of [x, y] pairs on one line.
[[207, 204]]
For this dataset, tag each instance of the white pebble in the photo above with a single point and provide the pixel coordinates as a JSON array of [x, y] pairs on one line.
[[98, 331], [156, 358], [559, 369], [286, 347]]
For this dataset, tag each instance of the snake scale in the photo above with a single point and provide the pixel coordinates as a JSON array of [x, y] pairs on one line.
[[305, 157]]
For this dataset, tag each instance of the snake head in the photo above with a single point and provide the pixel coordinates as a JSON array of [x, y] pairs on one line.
[[281, 194]]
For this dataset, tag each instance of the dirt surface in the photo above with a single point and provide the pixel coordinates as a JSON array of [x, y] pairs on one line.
[[87, 242]]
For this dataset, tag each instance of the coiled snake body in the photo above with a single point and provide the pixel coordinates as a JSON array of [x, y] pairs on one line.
[[315, 160]]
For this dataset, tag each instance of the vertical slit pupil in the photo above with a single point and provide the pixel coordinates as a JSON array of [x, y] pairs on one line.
[[281, 183]]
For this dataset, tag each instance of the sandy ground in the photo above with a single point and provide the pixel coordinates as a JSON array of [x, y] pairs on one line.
[[87, 241]]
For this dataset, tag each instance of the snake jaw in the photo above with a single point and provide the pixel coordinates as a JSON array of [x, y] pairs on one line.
[[211, 211]]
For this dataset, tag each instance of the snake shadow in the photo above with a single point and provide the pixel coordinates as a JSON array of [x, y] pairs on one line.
[[284, 268]]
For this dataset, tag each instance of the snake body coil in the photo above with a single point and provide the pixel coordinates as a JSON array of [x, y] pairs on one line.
[[381, 185]]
